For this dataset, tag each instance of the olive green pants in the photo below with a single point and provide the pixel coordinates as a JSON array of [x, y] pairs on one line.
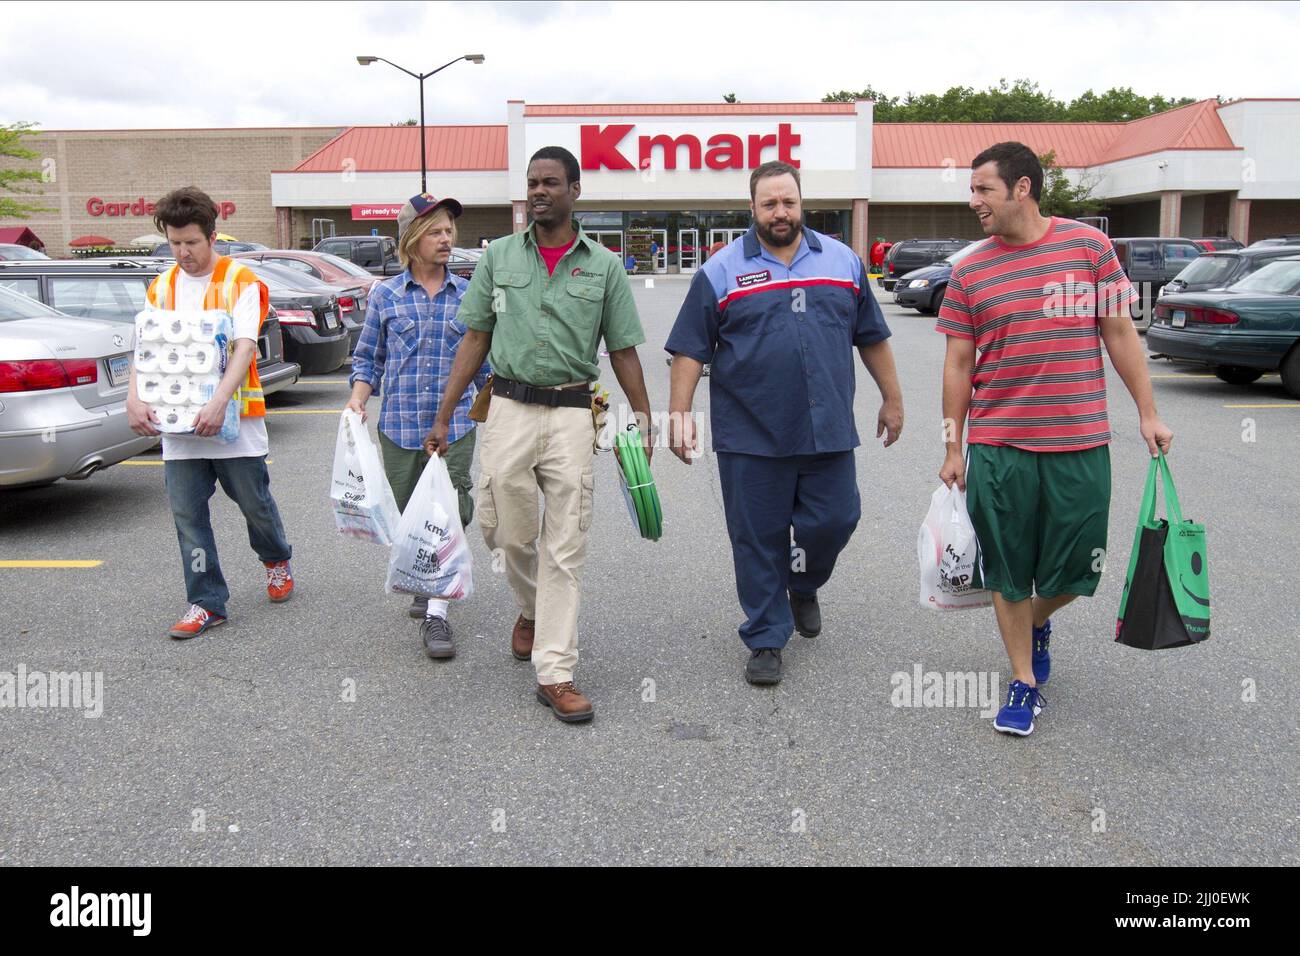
[[403, 466]]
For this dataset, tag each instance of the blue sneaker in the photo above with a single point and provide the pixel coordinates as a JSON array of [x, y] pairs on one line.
[[1024, 703], [1042, 658]]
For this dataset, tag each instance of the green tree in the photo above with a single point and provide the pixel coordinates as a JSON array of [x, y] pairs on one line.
[[1061, 197], [17, 180], [409, 122], [1021, 101], [729, 98]]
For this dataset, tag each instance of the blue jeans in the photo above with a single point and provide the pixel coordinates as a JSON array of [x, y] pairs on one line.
[[764, 498], [190, 483]]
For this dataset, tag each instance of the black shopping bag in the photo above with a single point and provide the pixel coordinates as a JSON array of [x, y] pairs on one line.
[[1166, 600]]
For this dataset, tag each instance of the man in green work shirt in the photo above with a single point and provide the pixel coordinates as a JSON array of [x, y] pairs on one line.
[[541, 301]]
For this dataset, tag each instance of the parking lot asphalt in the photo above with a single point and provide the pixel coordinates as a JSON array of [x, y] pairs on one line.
[[318, 732]]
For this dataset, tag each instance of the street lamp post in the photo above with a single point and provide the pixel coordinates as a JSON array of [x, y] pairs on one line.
[[472, 57]]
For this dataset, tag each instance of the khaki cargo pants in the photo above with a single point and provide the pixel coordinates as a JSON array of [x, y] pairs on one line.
[[524, 449]]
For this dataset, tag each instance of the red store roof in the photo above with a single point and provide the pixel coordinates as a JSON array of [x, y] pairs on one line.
[[895, 145]]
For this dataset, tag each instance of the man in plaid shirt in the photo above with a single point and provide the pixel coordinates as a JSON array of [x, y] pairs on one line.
[[410, 338]]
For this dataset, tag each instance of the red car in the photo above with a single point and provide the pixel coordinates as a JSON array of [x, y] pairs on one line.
[[350, 280]]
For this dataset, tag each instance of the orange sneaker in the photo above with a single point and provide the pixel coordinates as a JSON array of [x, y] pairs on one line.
[[194, 623], [279, 581]]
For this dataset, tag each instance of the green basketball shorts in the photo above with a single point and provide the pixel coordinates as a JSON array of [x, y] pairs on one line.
[[1041, 518]]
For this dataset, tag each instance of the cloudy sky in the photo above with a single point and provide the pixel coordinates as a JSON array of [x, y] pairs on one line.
[[181, 64]]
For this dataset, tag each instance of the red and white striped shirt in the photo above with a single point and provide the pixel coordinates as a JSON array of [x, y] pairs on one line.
[[1032, 310]]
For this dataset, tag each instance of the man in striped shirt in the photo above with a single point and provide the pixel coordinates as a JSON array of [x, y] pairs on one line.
[[1036, 300]]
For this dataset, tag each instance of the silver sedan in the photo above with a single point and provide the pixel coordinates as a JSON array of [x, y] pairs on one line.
[[63, 385]]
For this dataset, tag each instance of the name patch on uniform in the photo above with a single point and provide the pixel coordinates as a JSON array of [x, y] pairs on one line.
[[581, 273], [753, 278]]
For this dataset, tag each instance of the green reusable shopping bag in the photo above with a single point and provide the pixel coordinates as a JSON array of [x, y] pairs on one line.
[[1166, 599]]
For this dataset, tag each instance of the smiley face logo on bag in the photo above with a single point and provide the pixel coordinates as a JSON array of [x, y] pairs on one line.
[[1197, 565]]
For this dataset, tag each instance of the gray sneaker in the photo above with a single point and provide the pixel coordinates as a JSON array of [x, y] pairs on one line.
[[436, 633], [419, 608]]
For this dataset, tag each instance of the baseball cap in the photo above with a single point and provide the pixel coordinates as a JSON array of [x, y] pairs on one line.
[[423, 205]]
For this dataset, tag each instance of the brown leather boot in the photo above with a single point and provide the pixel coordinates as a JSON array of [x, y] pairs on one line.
[[565, 702], [521, 639]]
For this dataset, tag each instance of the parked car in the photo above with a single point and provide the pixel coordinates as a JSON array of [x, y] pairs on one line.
[[913, 254], [1287, 240], [224, 247], [350, 282], [1240, 332], [63, 387], [922, 289], [114, 290], [11, 252], [1219, 270], [376, 254], [464, 261], [1217, 243], [1150, 262], [314, 333]]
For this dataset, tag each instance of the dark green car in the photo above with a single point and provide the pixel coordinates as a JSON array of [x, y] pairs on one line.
[[1241, 332]]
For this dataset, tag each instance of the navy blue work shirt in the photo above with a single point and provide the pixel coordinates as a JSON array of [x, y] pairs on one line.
[[781, 341]]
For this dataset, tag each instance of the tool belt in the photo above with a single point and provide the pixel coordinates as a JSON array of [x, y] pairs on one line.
[[573, 396]]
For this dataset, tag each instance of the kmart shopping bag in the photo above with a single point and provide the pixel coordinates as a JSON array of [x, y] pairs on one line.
[[948, 552], [364, 506], [1166, 599], [431, 555]]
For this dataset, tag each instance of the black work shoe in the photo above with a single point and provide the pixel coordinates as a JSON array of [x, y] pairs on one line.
[[419, 608], [436, 633], [807, 614], [764, 666]]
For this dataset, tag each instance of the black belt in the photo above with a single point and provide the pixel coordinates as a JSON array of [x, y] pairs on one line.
[[573, 396]]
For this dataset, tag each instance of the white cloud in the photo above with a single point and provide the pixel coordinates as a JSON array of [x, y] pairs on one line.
[[124, 65]]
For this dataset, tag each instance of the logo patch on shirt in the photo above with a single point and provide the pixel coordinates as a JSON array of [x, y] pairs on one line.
[[582, 273], [753, 278]]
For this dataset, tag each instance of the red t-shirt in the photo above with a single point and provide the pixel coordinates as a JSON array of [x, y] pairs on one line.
[[1032, 310], [552, 255]]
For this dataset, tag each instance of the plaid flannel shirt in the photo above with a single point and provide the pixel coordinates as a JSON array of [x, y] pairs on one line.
[[411, 340]]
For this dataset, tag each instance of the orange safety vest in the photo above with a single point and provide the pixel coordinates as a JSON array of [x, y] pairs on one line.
[[229, 280]]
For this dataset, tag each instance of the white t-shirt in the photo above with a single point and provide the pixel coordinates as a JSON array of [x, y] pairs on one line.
[[252, 441]]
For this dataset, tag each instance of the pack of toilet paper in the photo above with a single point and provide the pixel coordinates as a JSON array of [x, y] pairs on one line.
[[180, 358]]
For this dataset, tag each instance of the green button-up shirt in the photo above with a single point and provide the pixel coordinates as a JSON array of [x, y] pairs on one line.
[[546, 328]]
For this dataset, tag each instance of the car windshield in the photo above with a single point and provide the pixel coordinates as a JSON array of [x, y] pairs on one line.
[[15, 305], [20, 253], [963, 252], [1281, 278], [1212, 270], [343, 265]]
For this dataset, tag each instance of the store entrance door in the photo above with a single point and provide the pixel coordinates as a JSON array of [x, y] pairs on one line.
[[724, 236], [659, 261], [688, 249], [611, 239]]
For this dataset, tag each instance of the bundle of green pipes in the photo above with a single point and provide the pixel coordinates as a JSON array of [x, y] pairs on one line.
[[639, 486]]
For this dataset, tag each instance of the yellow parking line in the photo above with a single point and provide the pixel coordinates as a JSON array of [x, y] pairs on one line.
[[304, 411], [1268, 405], [50, 564]]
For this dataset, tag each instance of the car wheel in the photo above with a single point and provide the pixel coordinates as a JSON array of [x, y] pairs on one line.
[[1291, 372], [1236, 375]]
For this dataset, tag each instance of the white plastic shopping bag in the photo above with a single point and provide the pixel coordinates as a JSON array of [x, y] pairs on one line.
[[364, 506], [431, 555], [948, 553]]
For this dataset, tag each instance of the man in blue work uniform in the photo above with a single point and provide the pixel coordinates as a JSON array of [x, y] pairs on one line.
[[778, 313]]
